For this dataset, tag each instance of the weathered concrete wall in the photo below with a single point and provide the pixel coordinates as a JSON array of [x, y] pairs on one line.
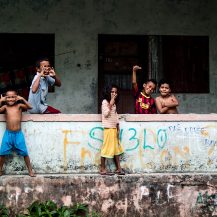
[[159, 151], [76, 25], [152, 195], [153, 143]]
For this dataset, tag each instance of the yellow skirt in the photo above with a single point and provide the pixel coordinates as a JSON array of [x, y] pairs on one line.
[[111, 145]]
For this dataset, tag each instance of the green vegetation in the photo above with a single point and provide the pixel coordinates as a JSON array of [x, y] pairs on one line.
[[4, 212], [50, 209]]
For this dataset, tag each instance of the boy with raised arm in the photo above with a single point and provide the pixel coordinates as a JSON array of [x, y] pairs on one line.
[[13, 137], [166, 103], [45, 77], [144, 102]]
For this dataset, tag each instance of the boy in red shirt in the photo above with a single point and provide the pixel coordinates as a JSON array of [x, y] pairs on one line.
[[145, 104]]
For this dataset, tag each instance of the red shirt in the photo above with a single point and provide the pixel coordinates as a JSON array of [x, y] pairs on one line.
[[144, 104]]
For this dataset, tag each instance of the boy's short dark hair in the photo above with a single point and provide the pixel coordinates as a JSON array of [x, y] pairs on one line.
[[164, 81], [151, 80], [10, 88], [38, 62]]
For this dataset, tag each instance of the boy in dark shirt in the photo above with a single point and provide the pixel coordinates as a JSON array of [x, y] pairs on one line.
[[145, 104]]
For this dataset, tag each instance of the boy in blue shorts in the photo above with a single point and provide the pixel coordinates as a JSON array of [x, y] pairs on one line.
[[13, 137]]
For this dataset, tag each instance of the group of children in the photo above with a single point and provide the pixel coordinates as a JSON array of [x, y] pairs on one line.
[[166, 103], [12, 105]]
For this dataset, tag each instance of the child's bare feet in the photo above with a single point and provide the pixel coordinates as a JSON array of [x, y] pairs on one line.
[[104, 172], [120, 172], [31, 174]]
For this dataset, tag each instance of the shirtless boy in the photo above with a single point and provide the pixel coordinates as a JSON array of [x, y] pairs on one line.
[[13, 137], [166, 103]]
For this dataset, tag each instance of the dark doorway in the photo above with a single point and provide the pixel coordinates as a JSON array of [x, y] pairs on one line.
[[18, 55], [184, 60], [117, 55], [186, 63]]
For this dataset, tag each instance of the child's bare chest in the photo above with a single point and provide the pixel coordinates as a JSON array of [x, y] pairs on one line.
[[13, 111]]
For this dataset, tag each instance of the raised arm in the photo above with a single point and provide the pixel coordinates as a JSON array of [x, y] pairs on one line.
[[106, 109], [107, 106], [53, 74], [135, 69], [2, 99], [26, 104], [2, 108], [57, 81], [36, 83]]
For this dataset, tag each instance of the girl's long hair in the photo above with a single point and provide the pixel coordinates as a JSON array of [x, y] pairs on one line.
[[107, 93]]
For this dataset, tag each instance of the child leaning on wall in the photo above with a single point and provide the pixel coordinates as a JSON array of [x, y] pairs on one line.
[[44, 77], [111, 147], [144, 103], [166, 103], [13, 137]]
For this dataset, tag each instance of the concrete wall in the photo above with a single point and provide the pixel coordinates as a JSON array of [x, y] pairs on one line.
[[152, 195], [170, 162], [76, 25], [153, 143]]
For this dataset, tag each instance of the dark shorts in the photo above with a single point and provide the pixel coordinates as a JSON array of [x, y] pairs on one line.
[[13, 140]]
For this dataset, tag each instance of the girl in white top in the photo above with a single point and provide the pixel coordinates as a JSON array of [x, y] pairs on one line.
[[111, 147]]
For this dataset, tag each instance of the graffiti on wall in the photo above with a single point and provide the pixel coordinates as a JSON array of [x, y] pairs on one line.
[[176, 146], [207, 202], [149, 146]]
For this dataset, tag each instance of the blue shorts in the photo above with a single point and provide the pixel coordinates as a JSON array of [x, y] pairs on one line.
[[13, 140]]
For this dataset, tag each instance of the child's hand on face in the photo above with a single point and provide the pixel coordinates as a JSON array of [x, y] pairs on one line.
[[113, 97], [19, 98], [52, 73], [42, 72], [136, 68]]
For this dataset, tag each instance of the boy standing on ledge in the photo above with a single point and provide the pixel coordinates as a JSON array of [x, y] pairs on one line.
[[13, 137], [39, 89]]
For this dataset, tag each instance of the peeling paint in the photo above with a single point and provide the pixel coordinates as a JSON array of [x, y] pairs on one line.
[[172, 195], [144, 191], [67, 200]]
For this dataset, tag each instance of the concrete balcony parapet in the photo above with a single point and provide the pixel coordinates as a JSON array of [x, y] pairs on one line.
[[126, 117], [71, 143]]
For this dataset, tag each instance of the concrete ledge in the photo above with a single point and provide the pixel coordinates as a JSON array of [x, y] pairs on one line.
[[126, 117], [152, 143], [172, 117], [59, 117], [164, 195]]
